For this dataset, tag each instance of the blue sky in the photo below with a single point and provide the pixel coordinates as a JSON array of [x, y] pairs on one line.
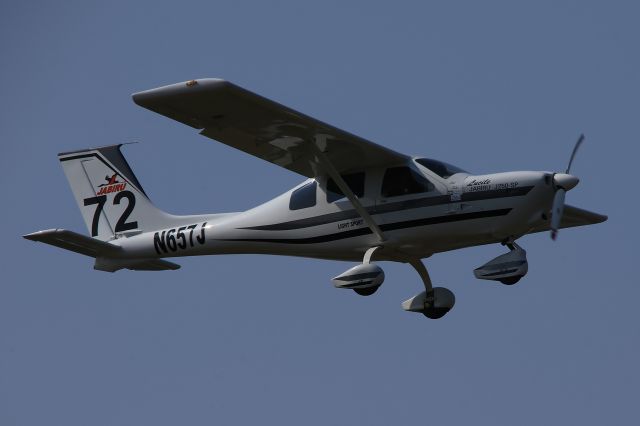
[[489, 86]]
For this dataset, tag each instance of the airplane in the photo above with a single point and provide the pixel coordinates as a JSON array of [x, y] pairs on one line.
[[361, 202]]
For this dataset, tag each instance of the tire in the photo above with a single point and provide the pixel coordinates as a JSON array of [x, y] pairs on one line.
[[368, 291], [435, 313], [444, 302], [511, 280]]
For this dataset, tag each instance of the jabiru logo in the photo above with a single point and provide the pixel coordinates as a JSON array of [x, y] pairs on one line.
[[112, 185]]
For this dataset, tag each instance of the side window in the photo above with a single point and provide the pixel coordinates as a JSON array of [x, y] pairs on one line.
[[355, 181], [402, 181], [303, 197]]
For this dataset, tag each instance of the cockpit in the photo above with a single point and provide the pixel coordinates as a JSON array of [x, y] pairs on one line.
[[391, 182], [442, 169]]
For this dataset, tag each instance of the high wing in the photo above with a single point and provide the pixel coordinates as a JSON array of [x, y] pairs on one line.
[[264, 128]]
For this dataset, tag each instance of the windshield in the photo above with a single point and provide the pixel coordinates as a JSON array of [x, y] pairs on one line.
[[440, 168]]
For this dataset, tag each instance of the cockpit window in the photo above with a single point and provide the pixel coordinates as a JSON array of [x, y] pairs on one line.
[[402, 181], [303, 197], [440, 168], [355, 181]]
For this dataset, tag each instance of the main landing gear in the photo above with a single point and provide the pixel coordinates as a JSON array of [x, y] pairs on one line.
[[434, 302], [365, 279]]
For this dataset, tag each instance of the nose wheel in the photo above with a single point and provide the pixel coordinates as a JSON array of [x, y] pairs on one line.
[[434, 302]]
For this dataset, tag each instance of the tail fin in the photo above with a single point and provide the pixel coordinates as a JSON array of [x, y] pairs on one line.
[[109, 195]]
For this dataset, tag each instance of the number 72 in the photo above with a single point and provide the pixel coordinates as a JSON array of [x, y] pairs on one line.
[[121, 224]]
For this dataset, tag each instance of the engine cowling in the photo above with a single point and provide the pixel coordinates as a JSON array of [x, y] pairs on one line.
[[367, 276], [507, 268]]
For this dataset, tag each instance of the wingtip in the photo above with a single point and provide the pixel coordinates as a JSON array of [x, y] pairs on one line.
[[142, 98], [37, 235]]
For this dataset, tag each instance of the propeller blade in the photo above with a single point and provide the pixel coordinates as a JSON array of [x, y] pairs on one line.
[[575, 149], [556, 212]]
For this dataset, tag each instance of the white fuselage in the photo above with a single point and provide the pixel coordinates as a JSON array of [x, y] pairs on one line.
[[461, 211]]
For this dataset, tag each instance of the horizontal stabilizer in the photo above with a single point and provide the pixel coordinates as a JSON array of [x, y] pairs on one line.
[[106, 254], [573, 216], [73, 241]]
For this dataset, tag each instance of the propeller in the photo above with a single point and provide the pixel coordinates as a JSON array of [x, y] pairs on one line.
[[563, 182]]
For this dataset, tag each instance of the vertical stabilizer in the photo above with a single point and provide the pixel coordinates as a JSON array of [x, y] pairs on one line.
[[109, 195]]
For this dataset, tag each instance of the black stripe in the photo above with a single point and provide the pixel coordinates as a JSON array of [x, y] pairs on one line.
[[390, 208], [443, 219], [386, 227], [412, 204], [494, 274], [310, 240], [309, 221], [97, 148], [507, 264], [352, 285], [357, 276], [76, 157], [496, 193]]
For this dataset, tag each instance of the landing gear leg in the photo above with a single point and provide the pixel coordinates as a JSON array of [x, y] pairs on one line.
[[513, 280], [368, 254], [426, 279], [511, 245], [433, 303]]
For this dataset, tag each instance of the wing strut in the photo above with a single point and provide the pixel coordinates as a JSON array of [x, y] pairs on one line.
[[321, 141]]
